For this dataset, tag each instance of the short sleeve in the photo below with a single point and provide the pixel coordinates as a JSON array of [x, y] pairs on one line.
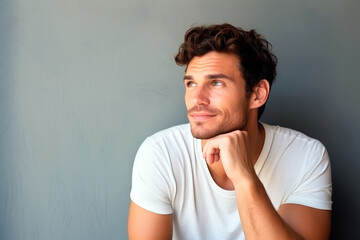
[[152, 181], [315, 187]]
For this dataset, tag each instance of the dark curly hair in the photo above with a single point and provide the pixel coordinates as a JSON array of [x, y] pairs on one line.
[[254, 52]]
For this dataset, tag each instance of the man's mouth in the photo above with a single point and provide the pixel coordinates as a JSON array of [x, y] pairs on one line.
[[202, 113], [201, 116]]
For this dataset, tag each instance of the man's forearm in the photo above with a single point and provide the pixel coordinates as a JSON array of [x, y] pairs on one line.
[[258, 217]]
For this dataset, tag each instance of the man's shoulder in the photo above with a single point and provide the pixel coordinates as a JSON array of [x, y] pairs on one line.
[[168, 143], [291, 136], [182, 131]]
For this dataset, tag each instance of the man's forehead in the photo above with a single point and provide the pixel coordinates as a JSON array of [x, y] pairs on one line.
[[214, 63]]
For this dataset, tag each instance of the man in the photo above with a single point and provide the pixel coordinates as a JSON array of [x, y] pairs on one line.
[[226, 175]]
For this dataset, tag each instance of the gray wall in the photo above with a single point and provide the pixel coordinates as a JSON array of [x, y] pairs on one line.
[[82, 83]]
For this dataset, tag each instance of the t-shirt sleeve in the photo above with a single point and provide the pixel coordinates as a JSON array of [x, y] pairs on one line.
[[315, 187], [152, 182]]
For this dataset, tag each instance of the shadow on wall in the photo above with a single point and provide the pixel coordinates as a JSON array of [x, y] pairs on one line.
[[315, 119]]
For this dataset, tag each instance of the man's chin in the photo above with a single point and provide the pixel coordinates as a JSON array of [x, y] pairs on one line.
[[202, 133], [202, 136]]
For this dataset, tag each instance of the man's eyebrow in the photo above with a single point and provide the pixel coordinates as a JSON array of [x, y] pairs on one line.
[[188, 77], [210, 76], [218, 75]]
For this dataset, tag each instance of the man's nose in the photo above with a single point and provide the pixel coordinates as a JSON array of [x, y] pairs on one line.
[[201, 96]]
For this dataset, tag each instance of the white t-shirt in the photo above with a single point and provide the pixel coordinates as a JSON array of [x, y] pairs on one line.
[[171, 176]]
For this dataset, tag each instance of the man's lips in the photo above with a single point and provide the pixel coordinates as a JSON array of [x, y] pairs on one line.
[[201, 116]]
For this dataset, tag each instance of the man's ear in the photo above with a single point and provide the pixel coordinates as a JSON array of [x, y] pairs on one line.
[[259, 94]]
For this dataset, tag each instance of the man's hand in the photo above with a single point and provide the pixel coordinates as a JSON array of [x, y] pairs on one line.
[[233, 150]]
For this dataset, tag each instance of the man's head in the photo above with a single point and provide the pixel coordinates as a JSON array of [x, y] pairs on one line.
[[256, 62]]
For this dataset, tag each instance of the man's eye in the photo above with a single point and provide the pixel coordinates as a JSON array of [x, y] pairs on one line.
[[190, 84], [217, 83]]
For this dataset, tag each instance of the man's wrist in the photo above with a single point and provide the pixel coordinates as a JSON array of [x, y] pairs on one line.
[[249, 183]]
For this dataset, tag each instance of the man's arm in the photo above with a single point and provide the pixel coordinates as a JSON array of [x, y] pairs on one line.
[[258, 217], [261, 221], [143, 224], [311, 222]]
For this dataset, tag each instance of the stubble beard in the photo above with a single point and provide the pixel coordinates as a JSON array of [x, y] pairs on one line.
[[199, 131]]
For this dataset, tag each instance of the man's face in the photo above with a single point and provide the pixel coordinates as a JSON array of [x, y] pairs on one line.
[[215, 95]]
